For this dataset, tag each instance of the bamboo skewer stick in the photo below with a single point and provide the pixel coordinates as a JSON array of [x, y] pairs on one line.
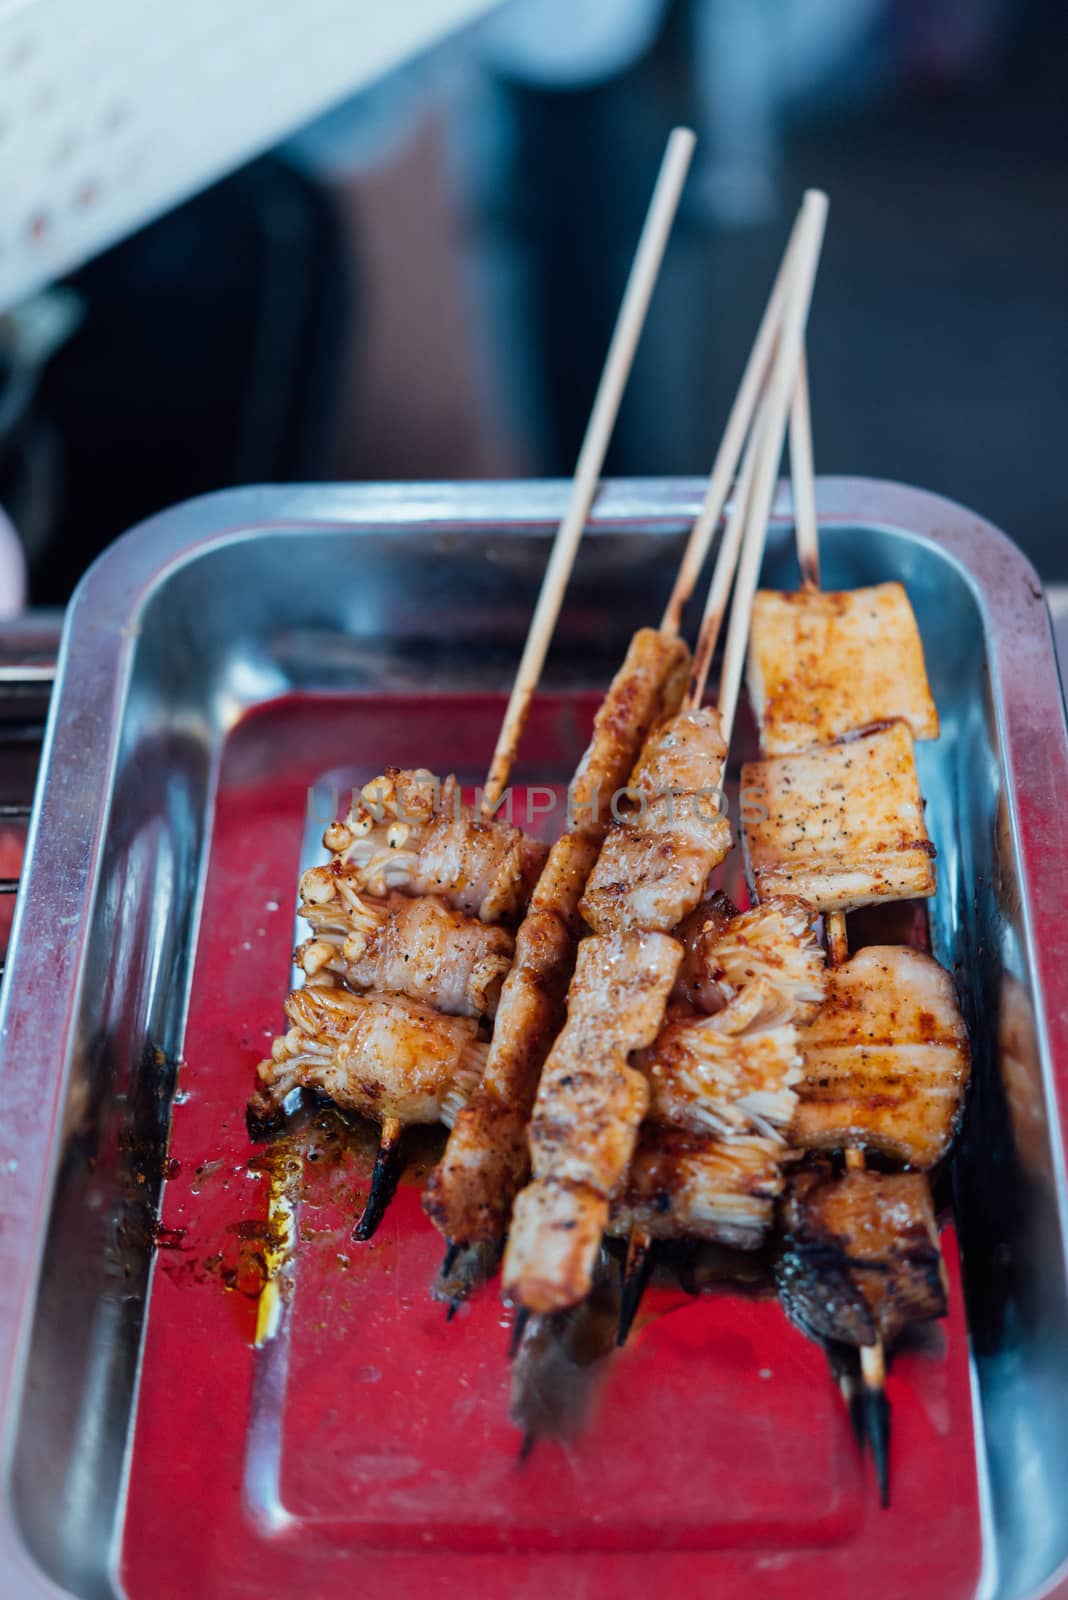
[[743, 543], [811, 226], [384, 1179], [632, 312], [803, 481], [739, 423], [873, 1412]]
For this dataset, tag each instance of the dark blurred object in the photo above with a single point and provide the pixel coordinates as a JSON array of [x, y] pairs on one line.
[[208, 355]]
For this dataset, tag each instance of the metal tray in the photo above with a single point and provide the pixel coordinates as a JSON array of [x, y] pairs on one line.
[[215, 664]]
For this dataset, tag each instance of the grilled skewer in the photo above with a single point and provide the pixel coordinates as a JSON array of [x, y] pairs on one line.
[[406, 832], [886, 1060], [648, 877], [469, 1196]]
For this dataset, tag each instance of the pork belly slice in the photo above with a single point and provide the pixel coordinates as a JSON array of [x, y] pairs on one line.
[[841, 826], [823, 664], [383, 1055], [682, 1185], [411, 832], [419, 947], [860, 1257], [886, 1059], [589, 1106], [655, 864]]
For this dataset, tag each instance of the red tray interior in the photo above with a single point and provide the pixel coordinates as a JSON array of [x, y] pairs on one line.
[[370, 1438]]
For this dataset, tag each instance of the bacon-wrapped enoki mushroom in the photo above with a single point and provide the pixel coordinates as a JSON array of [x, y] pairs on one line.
[[383, 1055], [409, 831], [654, 866], [685, 1186], [418, 947], [722, 1091]]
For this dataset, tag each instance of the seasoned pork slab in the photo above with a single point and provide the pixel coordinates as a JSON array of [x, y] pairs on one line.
[[823, 665], [841, 826]]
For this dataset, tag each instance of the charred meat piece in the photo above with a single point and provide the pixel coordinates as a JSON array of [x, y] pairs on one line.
[[411, 832], [654, 866], [886, 1059], [589, 1106], [825, 664], [418, 947], [383, 1055], [841, 826], [860, 1256]]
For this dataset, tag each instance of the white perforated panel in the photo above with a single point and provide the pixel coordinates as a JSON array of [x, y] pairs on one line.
[[112, 110]]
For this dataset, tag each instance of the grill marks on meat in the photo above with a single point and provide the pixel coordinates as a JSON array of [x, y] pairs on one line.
[[587, 1112], [841, 826], [383, 1055], [886, 1059], [654, 866], [422, 948], [469, 1196], [823, 664], [410, 832], [860, 1257]]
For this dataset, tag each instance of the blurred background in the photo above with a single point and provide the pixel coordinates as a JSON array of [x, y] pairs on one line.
[[421, 283]]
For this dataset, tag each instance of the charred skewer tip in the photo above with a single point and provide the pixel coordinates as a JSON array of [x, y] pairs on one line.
[[388, 1168], [877, 1414], [636, 1269], [522, 1317]]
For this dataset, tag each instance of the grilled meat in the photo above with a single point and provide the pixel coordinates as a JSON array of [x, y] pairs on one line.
[[418, 947], [469, 1196], [822, 665], [840, 826], [589, 1105], [654, 866], [383, 1055], [408, 831], [886, 1059], [860, 1257], [683, 1185]]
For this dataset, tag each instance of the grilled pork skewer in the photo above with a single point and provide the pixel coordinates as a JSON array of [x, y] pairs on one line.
[[403, 833], [647, 878], [469, 1197]]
